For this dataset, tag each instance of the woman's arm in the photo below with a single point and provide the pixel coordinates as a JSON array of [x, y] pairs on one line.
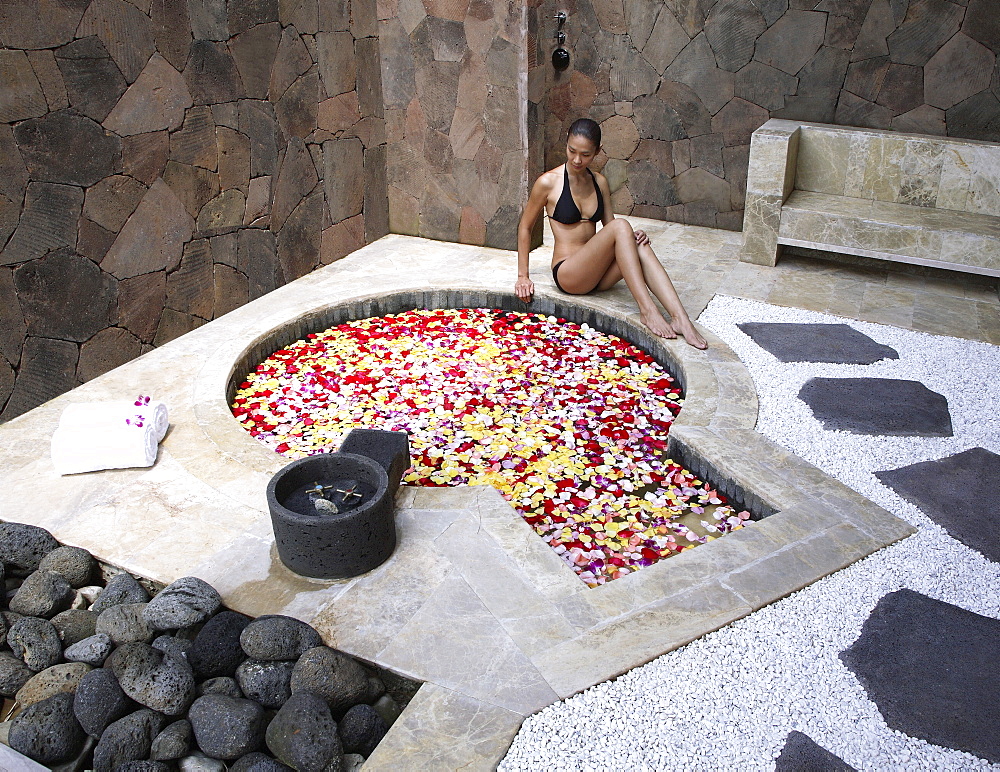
[[524, 288], [609, 212]]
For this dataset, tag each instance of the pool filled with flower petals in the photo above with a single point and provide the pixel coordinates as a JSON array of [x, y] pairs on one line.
[[570, 424]]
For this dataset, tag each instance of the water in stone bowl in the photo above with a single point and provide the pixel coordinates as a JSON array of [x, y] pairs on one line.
[[328, 497]]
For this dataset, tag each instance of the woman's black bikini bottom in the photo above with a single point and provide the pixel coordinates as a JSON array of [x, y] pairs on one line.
[[555, 277]]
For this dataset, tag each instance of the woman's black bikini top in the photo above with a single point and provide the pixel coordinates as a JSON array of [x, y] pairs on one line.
[[567, 212]]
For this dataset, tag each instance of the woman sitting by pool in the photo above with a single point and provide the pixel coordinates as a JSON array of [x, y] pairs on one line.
[[585, 259]]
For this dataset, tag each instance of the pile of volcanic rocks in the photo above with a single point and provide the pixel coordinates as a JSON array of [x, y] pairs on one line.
[[103, 671]]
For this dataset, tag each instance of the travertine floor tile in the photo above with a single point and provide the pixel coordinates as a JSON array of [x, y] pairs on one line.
[[846, 297], [801, 289], [988, 316], [531, 620], [446, 730], [888, 306], [368, 614], [945, 315], [456, 642], [747, 280], [599, 654]]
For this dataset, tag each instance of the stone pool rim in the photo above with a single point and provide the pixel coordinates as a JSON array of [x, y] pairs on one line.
[[704, 397], [800, 508]]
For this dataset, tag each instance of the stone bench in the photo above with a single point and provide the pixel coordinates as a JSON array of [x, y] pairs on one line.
[[905, 197]]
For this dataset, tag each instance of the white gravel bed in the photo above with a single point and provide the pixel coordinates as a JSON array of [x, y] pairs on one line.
[[728, 700]]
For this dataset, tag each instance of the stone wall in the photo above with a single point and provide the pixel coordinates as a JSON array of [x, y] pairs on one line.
[[456, 117], [165, 161], [679, 85]]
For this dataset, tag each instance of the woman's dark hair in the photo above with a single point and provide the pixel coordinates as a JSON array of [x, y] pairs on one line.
[[586, 128]]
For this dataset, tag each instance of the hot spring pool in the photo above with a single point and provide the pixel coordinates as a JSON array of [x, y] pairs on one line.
[[569, 423]]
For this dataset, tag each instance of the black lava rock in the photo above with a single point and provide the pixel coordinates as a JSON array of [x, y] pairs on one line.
[[216, 650], [93, 650], [222, 685], [174, 646], [183, 603], [332, 675], [42, 594], [277, 637], [36, 642], [53, 680], [376, 689], [9, 618], [361, 729], [74, 564], [13, 674], [125, 623], [22, 547], [47, 731], [75, 624], [100, 701], [127, 739], [152, 678], [174, 742], [121, 588], [143, 766], [258, 762], [226, 727], [303, 734], [267, 682], [199, 762]]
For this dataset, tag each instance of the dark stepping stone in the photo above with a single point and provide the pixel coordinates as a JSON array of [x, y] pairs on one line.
[[839, 343], [930, 667], [878, 406], [801, 754], [958, 493]]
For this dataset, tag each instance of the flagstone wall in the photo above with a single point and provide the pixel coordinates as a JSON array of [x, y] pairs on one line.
[[678, 86], [165, 161], [457, 117]]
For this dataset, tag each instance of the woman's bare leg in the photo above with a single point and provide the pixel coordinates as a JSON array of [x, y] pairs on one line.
[[658, 281], [654, 274], [578, 273], [613, 252]]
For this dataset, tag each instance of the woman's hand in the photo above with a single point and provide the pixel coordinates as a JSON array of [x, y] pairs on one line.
[[524, 288], [641, 238]]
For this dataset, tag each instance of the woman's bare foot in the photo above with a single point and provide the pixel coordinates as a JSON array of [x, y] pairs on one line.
[[691, 336], [659, 326]]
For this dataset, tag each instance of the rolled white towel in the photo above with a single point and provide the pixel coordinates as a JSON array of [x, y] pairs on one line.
[[83, 415], [91, 448]]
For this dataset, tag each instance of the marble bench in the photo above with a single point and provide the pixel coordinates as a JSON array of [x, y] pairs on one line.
[[906, 197]]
